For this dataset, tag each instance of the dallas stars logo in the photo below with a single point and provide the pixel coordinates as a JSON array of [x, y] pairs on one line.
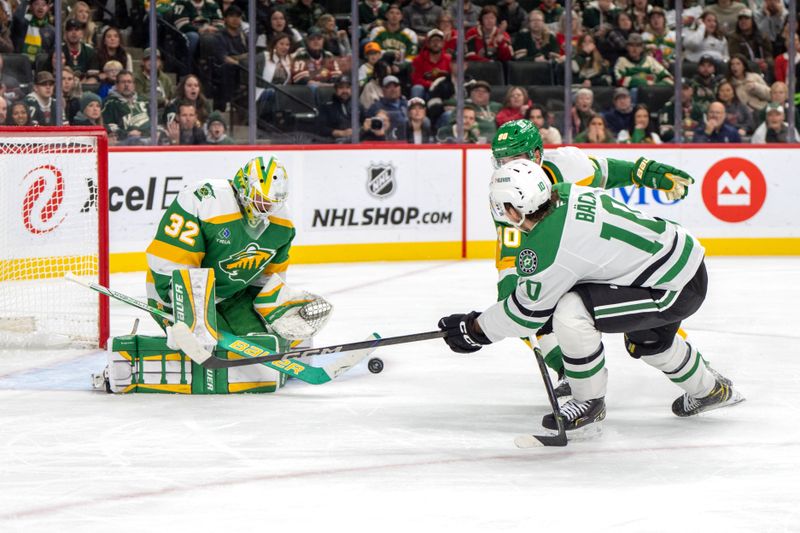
[[527, 261], [246, 265]]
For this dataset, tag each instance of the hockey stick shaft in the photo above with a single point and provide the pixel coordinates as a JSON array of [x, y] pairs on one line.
[[119, 296], [561, 438]]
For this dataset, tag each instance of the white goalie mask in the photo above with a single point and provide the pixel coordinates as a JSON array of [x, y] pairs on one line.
[[520, 185]]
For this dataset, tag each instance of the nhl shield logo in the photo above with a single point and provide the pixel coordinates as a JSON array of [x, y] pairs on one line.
[[380, 180], [527, 261]]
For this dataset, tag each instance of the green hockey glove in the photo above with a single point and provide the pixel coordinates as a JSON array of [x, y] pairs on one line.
[[655, 175]]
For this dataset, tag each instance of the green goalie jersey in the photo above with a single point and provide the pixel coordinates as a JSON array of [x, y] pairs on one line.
[[591, 237], [562, 165], [205, 227]]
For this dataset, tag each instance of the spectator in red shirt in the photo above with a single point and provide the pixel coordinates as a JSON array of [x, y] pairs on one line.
[[431, 64], [446, 24], [488, 41], [515, 105], [782, 61]]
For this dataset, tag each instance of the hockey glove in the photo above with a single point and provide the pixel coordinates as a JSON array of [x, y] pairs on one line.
[[655, 175], [462, 333]]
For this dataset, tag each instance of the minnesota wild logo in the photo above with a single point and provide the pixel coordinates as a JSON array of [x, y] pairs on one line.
[[246, 264], [205, 191], [527, 261]]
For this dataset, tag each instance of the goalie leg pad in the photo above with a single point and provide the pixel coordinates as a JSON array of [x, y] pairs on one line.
[[193, 303]]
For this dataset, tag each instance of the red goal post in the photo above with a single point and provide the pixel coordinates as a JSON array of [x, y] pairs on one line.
[[54, 195]]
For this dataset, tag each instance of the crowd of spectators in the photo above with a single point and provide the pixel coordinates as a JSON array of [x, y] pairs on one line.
[[735, 67]]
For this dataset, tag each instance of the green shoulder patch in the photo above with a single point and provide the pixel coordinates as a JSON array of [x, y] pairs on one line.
[[539, 248], [205, 191]]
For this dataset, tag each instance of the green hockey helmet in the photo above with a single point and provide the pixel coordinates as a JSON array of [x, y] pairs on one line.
[[515, 138], [262, 187]]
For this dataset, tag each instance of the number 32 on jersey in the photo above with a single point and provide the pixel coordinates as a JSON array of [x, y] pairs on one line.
[[184, 230]]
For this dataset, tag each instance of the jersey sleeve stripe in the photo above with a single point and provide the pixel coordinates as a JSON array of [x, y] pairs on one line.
[[680, 263], [520, 321], [223, 219], [527, 312], [277, 268], [587, 181], [174, 254], [506, 263]]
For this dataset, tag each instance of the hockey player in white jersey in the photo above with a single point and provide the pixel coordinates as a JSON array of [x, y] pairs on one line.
[[595, 265], [520, 139]]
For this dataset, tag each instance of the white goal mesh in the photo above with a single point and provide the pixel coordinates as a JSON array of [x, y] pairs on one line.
[[50, 185]]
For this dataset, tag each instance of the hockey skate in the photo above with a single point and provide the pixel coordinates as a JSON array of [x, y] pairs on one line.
[[721, 395], [562, 388], [577, 415]]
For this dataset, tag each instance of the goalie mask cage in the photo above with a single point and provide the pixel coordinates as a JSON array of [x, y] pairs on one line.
[[54, 195]]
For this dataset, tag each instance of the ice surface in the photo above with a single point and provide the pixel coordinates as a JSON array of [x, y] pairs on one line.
[[427, 445]]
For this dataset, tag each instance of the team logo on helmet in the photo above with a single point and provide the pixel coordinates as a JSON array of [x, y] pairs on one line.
[[245, 265], [380, 180], [527, 261]]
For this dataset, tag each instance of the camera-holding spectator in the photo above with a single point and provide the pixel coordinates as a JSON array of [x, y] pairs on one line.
[[774, 129], [40, 102], [488, 41], [110, 72], [31, 31], [431, 64], [726, 11], [305, 13], [515, 105], [9, 85], [378, 128], [582, 112], [165, 89], [91, 111], [751, 89], [779, 94], [313, 65], [691, 114], [705, 38], [421, 16], [183, 128], [479, 97], [217, 130], [770, 19], [782, 61], [596, 133], [336, 41], [747, 40], [613, 44], [620, 117], [449, 133], [737, 114], [335, 116], [643, 129], [19, 115], [471, 13], [705, 82], [80, 56], [514, 15], [419, 127], [588, 66], [637, 69], [83, 13], [659, 41], [393, 37], [715, 127], [639, 11], [394, 105], [279, 25], [446, 24], [599, 16], [125, 113], [110, 48], [370, 12], [536, 42], [189, 89], [538, 115]]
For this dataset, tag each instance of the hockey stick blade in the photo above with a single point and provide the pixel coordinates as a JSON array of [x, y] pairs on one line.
[[559, 439]]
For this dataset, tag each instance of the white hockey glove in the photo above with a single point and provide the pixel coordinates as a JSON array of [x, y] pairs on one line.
[[303, 321], [171, 344]]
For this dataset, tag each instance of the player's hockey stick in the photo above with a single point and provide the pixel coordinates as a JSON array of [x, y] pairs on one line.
[[560, 439], [246, 348]]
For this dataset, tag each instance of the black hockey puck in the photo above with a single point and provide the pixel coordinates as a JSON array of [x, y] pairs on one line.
[[375, 365]]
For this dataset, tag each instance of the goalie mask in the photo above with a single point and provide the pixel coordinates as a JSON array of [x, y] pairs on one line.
[[514, 139], [521, 186], [262, 187]]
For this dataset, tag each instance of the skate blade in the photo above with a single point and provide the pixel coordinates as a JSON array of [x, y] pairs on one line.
[[733, 400], [584, 433]]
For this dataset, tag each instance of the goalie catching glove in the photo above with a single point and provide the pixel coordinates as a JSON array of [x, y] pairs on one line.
[[462, 331], [655, 175], [289, 313]]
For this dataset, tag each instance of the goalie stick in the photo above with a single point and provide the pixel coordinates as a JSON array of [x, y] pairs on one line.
[[559, 439], [245, 348]]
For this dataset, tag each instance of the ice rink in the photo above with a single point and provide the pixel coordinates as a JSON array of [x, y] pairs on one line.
[[425, 446]]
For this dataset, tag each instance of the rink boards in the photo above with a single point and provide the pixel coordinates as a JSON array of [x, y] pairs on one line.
[[377, 203]]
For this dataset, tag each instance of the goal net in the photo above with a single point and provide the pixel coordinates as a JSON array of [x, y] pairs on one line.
[[53, 220]]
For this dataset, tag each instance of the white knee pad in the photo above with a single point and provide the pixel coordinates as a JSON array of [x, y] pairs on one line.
[[574, 327]]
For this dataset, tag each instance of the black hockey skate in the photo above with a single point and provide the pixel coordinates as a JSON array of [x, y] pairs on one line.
[[562, 388], [721, 395], [577, 414]]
